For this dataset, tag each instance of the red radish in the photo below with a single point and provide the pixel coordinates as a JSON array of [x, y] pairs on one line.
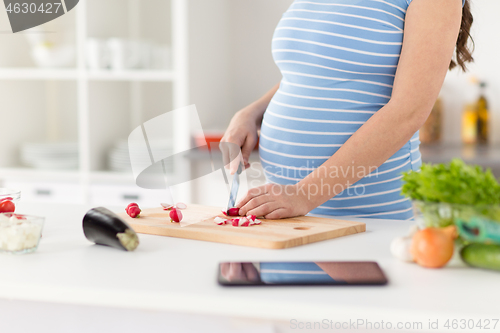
[[235, 211], [235, 222], [175, 215], [6, 198], [131, 205], [7, 206], [133, 211]]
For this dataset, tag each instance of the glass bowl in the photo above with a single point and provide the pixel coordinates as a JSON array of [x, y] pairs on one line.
[[475, 223], [11, 195], [432, 214], [20, 233]]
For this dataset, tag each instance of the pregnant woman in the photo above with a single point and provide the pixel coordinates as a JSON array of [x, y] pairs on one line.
[[359, 79]]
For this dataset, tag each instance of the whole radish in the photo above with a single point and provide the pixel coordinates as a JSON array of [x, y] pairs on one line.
[[175, 215]]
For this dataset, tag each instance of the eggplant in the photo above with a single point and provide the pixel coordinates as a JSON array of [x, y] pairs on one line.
[[103, 227]]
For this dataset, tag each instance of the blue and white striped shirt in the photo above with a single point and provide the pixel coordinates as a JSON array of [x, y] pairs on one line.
[[338, 59]]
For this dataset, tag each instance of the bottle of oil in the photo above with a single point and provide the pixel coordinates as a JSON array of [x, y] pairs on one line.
[[431, 131], [483, 116], [469, 124]]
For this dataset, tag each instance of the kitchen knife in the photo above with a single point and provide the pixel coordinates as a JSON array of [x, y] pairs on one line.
[[234, 188]]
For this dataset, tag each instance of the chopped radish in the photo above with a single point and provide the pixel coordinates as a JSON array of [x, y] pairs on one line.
[[245, 224], [220, 221], [238, 222], [256, 222]]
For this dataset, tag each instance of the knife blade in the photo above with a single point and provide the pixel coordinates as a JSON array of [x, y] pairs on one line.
[[234, 188]]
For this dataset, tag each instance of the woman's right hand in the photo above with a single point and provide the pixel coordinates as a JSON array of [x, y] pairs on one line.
[[241, 134]]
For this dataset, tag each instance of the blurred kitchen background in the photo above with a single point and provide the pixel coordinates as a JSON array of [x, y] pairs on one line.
[[72, 90]]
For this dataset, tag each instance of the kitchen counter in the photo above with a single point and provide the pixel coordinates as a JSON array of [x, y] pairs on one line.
[[179, 276], [487, 156]]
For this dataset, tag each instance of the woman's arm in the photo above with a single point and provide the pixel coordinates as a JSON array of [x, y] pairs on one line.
[[257, 108], [431, 31], [242, 130]]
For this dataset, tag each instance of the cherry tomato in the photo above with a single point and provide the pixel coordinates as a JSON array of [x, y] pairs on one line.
[[7, 206]]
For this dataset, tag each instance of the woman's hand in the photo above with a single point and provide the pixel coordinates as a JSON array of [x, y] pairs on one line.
[[241, 134], [274, 201], [239, 272]]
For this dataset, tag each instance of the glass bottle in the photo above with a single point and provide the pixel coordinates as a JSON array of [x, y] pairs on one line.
[[469, 124], [431, 131], [482, 116]]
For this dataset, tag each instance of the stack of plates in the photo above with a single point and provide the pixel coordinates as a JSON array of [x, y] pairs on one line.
[[119, 157], [55, 156]]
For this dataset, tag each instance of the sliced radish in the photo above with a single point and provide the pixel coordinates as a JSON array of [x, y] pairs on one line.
[[167, 206], [180, 205], [235, 222]]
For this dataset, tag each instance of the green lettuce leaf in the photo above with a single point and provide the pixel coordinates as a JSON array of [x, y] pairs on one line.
[[454, 182]]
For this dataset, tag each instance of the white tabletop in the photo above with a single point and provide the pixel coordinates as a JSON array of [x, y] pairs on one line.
[[179, 276]]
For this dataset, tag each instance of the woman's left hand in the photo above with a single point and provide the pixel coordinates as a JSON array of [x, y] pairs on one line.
[[274, 201]]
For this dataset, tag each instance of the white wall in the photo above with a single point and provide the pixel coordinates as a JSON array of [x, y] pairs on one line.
[[252, 67], [230, 55], [209, 52]]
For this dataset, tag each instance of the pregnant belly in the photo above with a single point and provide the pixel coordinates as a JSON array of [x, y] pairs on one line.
[[297, 138]]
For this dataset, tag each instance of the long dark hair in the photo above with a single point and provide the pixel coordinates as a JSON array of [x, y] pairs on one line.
[[463, 52]]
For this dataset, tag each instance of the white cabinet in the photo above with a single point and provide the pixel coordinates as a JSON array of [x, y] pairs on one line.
[[96, 108], [48, 192], [122, 195]]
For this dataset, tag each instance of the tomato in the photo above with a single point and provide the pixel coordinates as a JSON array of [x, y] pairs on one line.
[[7, 206]]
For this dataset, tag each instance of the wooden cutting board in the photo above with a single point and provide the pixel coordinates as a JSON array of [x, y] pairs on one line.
[[198, 224]]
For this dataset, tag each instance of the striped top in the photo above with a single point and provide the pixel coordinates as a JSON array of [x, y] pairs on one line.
[[293, 272], [338, 59]]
